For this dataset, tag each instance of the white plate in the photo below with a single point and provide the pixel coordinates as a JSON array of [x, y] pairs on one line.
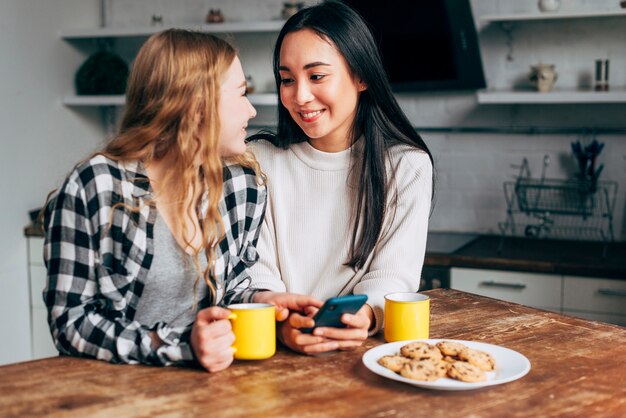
[[510, 365]]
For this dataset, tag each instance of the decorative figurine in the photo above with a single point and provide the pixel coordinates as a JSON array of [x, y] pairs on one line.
[[214, 16], [290, 8]]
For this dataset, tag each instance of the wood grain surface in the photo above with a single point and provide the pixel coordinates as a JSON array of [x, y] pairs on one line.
[[578, 370]]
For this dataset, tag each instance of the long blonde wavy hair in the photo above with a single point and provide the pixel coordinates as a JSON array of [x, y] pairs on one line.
[[176, 76]]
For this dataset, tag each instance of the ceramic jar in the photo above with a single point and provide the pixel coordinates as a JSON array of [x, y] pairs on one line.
[[549, 5], [543, 77]]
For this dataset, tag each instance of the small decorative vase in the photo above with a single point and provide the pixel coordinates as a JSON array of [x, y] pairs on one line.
[[102, 73], [543, 77], [549, 5]]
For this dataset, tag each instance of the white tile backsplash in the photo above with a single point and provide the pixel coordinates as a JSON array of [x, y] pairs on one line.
[[471, 170]]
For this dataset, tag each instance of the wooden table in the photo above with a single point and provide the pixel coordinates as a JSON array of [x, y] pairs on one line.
[[578, 369]]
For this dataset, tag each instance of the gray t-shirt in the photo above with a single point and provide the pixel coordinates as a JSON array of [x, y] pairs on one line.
[[168, 293]]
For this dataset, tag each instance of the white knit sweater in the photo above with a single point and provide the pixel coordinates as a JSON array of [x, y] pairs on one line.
[[306, 238]]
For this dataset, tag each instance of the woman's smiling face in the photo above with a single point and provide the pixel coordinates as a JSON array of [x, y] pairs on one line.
[[235, 111], [318, 89]]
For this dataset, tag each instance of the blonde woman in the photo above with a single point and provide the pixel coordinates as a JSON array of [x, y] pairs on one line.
[[147, 235]]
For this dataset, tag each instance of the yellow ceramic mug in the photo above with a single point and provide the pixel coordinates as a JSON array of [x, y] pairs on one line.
[[407, 316], [254, 326]]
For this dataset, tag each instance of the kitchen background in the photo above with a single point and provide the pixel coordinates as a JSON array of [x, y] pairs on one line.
[[474, 144]]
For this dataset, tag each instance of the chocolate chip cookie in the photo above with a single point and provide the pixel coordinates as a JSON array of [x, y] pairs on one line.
[[465, 372], [421, 370], [420, 351], [393, 362], [450, 348], [478, 358]]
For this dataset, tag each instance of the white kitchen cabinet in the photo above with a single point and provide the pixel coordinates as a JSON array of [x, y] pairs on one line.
[[530, 289], [41, 340], [595, 298], [585, 297]]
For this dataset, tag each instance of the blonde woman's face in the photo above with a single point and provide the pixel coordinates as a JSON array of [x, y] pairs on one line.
[[235, 111]]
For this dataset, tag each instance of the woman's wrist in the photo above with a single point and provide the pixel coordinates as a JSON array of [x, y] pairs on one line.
[[371, 316], [155, 341], [259, 295]]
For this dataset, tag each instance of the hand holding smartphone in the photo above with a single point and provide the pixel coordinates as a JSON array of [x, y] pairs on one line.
[[330, 313]]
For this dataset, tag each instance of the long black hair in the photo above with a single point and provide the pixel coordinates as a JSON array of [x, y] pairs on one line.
[[379, 119]]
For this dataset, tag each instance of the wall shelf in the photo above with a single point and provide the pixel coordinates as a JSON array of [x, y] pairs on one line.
[[260, 99], [552, 16], [263, 99], [125, 32], [553, 97], [484, 97], [79, 101]]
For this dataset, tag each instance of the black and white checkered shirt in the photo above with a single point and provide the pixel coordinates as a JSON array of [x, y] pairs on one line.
[[98, 258]]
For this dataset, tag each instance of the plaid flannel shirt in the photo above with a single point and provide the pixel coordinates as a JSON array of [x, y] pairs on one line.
[[98, 259]]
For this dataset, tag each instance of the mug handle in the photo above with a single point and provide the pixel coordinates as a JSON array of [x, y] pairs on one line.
[[232, 317]]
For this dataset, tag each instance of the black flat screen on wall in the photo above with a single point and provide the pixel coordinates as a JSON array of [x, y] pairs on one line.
[[426, 44]]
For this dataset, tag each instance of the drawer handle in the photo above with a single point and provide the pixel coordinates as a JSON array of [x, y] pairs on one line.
[[491, 283], [612, 292]]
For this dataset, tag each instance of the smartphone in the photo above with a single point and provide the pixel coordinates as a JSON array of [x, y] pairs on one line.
[[330, 313]]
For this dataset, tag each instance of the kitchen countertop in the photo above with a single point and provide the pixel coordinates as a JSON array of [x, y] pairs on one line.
[[577, 258], [576, 366], [452, 249]]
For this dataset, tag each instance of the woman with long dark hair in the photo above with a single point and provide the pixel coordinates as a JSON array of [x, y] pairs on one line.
[[350, 181]]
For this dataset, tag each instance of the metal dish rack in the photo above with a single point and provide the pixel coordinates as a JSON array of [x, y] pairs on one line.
[[559, 209]]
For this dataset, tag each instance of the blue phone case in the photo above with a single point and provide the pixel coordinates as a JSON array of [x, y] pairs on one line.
[[330, 313]]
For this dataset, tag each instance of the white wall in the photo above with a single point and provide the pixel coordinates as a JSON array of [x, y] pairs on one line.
[[40, 139]]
